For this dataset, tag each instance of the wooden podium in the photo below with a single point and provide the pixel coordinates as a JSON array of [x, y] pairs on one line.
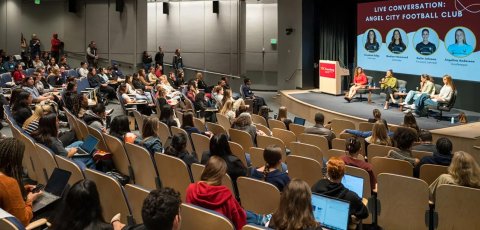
[[331, 77]]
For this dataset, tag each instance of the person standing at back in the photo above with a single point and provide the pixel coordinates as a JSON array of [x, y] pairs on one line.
[[92, 55], [177, 62], [56, 43], [34, 46], [159, 57]]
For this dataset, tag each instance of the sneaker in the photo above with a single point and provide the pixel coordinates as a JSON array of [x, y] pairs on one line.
[[403, 103], [407, 111]]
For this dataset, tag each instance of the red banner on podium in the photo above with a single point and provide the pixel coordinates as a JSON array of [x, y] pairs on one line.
[[327, 70]]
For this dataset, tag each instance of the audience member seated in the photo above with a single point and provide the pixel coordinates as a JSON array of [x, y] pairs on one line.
[[160, 211], [228, 96], [426, 87], [31, 124], [319, 129], [425, 144], [409, 121], [9, 65], [120, 128], [142, 77], [167, 116], [217, 95], [51, 64], [404, 139], [143, 108], [201, 83], [332, 186], [41, 83], [21, 106], [360, 81], [158, 70], [192, 91], [151, 141], [227, 110], [63, 63], [173, 80], [116, 72], [377, 116], [463, 171], [28, 85], [219, 147], [188, 126], [248, 93], [18, 75], [96, 117], [441, 156], [209, 193], [152, 77], [178, 148], [298, 216], [83, 70], [379, 134], [55, 78], [47, 134], [81, 209], [201, 104], [353, 146], [244, 123], [241, 109], [389, 85], [264, 112], [12, 189], [37, 63], [271, 172], [96, 81], [283, 116]]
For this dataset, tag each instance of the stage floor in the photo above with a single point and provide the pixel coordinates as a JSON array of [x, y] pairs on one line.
[[363, 110]]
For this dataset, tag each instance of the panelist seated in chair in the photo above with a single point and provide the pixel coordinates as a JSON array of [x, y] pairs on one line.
[[426, 86], [389, 85], [445, 95], [359, 81]]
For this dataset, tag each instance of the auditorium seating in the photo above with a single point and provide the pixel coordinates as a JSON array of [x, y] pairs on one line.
[[256, 157], [367, 191], [257, 119], [9, 222], [317, 140], [420, 154], [239, 151], [215, 128], [285, 135], [258, 196], [389, 165], [69, 165], [429, 173], [197, 170], [375, 150], [173, 173], [365, 126], [265, 141], [241, 137], [306, 150], [135, 196], [276, 124], [456, 207], [163, 133], [304, 168], [338, 143], [47, 162], [175, 130], [98, 134], [338, 125], [264, 129], [143, 166], [297, 129], [195, 217], [333, 153], [119, 155], [139, 118], [201, 143], [223, 121], [199, 124]]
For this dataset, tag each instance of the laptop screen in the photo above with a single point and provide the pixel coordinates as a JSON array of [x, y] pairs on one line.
[[354, 184], [57, 181], [330, 212], [89, 144], [299, 121]]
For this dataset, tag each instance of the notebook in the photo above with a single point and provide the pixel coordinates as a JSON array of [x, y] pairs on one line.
[[299, 121], [88, 147], [354, 184], [53, 190], [330, 212]]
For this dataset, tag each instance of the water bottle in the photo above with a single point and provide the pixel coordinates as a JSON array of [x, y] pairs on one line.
[[374, 85], [452, 121]]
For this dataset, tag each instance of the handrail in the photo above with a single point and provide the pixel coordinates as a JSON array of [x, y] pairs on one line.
[[206, 71], [291, 76]]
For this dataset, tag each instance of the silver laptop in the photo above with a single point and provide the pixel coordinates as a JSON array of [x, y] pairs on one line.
[[331, 213], [88, 147], [53, 190]]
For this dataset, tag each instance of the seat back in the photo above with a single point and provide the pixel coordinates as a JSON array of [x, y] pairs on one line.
[[30, 158], [375, 150], [176, 130], [449, 196], [338, 143], [223, 121], [69, 165], [257, 119], [405, 195], [273, 123], [201, 143], [256, 157], [119, 156], [393, 166], [173, 173], [112, 197], [241, 137], [163, 133], [47, 160], [264, 129], [199, 124], [306, 150], [143, 167], [297, 129], [73, 123], [135, 196], [304, 168], [215, 128], [317, 140], [429, 172], [286, 136], [197, 170], [359, 172], [258, 196], [98, 134], [139, 119], [421, 154], [365, 126], [238, 151], [194, 217], [265, 141], [333, 153], [83, 128], [338, 125]]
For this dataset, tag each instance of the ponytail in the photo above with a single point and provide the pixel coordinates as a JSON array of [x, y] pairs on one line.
[[352, 145], [265, 171]]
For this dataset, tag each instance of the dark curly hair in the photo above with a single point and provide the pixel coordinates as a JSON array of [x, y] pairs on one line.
[[404, 138], [160, 208]]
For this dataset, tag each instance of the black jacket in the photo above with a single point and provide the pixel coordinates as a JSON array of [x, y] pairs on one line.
[[235, 167], [326, 187]]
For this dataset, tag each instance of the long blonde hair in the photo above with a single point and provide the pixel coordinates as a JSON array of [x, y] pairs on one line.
[[379, 134], [449, 81], [214, 171], [282, 113], [228, 106], [464, 170], [40, 111]]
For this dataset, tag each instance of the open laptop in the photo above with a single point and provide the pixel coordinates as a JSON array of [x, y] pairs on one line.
[[299, 121], [330, 212], [88, 147], [354, 184], [53, 190]]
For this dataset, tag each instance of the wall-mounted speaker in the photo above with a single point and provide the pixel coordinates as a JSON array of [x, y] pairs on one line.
[[216, 7], [119, 5], [165, 8], [72, 6]]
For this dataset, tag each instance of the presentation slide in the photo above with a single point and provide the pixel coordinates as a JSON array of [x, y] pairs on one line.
[[420, 37]]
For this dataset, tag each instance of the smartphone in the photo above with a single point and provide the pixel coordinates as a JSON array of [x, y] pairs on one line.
[[38, 188]]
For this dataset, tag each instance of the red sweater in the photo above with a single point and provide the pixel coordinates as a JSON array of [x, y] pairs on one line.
[[11, 200], [55, 45], [18, 76], [363, 165], [218, 199], [360, 79]]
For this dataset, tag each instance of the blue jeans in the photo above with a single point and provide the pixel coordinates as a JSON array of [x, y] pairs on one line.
[[412, 96], [82, 162]]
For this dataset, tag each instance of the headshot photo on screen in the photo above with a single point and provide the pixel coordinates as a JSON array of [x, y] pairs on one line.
[[462, 41], [372, 39], [426, 40], [397, 38]]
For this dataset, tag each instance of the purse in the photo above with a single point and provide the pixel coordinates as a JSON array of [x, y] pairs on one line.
[[122, 179]]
